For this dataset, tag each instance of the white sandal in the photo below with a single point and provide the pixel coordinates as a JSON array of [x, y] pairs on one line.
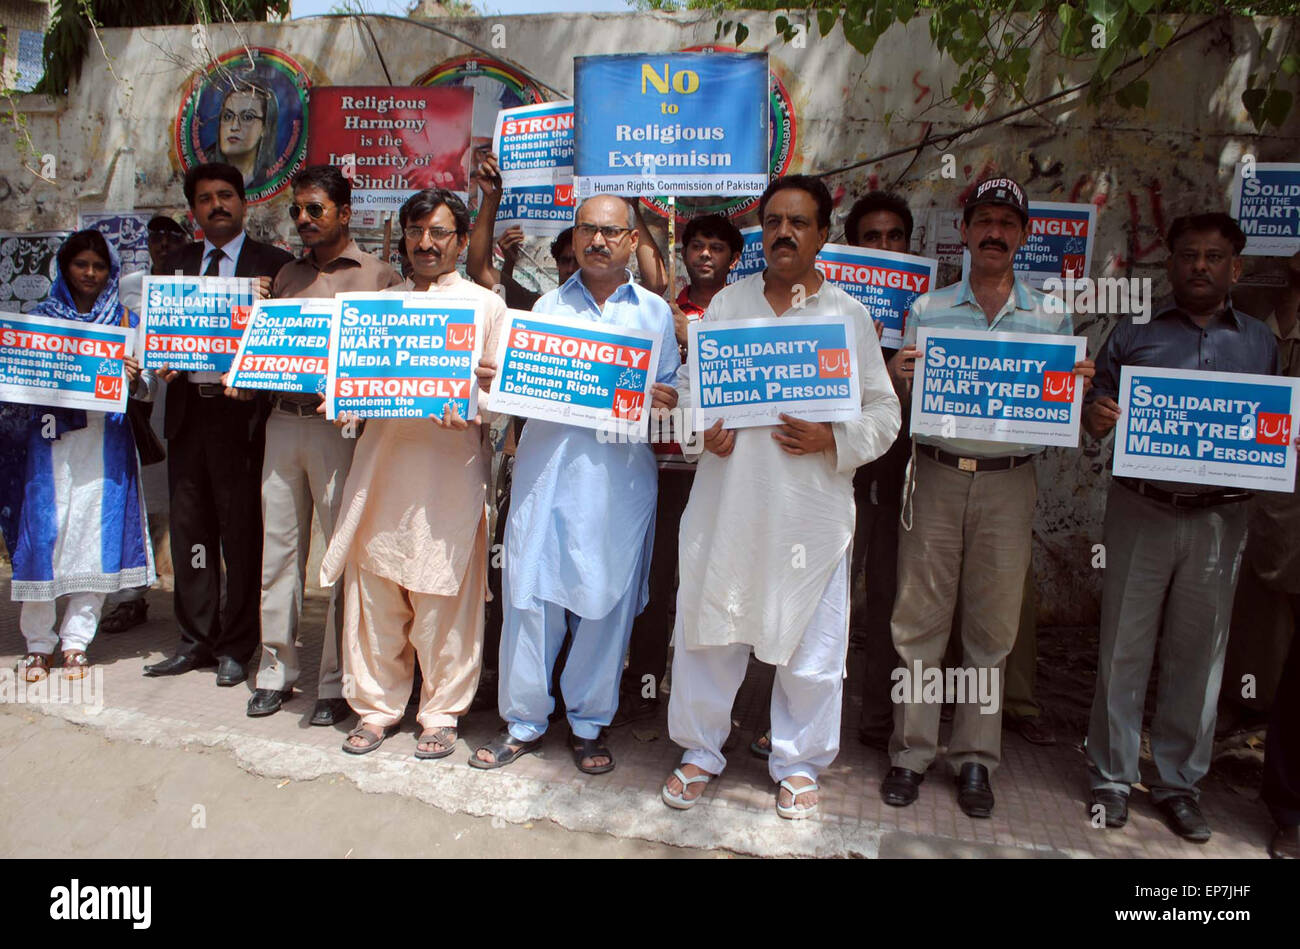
[[794, 812], [680, 801]]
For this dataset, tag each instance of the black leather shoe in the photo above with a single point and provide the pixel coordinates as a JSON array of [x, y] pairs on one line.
[[1114, 803], [633, 708], [1184, 818], [267, 701], [176, 665], [330, 711], [901, 787], [974, 793], [230, 672]]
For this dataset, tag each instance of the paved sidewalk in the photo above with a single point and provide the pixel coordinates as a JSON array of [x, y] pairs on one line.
[[1040, 791]]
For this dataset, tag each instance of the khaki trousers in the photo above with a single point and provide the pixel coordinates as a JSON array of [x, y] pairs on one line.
[[305, 467], [970, 529], [387, 629]]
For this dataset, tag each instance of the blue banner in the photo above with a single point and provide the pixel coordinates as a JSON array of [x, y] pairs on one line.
[[403, 355], [194, 324], [47, 361], [671, 124], [286, 346], [1266, 203], [578, 372], [886, 283], [1217, 428], [1002, 387], [748, 372]]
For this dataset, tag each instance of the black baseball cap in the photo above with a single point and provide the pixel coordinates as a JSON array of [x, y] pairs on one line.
[[163, 222], [1002, 191]]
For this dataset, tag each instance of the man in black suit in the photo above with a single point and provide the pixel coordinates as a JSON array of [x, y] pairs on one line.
[[214, 456]]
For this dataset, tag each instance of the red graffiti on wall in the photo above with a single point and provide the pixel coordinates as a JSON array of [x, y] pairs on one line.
[[1084, 182], [925, 90], [1138, 251]]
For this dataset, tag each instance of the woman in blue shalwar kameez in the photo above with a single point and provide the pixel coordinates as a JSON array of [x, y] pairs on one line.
[[71, 506]]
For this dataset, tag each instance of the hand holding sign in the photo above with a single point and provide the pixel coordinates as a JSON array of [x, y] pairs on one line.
[[901, 368], [1101, 416], [797, 437], [132, 367], [718, 440], [486, 371]]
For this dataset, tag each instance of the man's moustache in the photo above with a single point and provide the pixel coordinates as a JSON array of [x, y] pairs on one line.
[[993, 243], [784, 242], [599, 250]]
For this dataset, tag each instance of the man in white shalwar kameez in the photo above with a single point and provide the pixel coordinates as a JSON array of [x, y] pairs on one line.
[[765, 538]]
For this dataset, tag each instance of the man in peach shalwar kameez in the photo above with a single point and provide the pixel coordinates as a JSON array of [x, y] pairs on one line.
[[411, 541]]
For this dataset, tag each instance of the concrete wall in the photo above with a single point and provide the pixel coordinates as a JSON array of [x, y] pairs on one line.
[[113, 141]]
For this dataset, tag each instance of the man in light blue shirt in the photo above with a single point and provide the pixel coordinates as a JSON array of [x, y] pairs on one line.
[[967, 516], [580, 530]]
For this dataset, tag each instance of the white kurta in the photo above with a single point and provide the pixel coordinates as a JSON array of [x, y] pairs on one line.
[[764, 530]]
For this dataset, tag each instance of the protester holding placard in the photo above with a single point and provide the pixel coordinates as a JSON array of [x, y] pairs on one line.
[[411, 551], [967, 515], [71, 505], [214, 457], [580, 531], [307, 458], [1173, 549], [765, 536]]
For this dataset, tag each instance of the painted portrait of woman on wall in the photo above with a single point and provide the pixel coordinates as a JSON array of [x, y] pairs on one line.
[[249, 109]]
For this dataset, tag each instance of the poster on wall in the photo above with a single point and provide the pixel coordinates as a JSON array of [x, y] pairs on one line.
[[27, 267], [392, 140], [127, 233], [248, 108]]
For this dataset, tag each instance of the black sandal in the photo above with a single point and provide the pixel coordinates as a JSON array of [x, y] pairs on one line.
[[505, 748], [590, 748]]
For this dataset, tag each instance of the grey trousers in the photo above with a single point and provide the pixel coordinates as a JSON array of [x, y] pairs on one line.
[[1170, 575], [305, 467], [972, 530]]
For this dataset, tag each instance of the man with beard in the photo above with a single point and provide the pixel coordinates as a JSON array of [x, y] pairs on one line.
[[214, 455], [307, 458]]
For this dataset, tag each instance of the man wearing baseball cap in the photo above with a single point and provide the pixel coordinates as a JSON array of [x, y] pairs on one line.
[[967, 516]]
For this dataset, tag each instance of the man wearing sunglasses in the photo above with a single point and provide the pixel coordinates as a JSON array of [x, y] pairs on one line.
[[214, 454], [307, 458], [580, 532]]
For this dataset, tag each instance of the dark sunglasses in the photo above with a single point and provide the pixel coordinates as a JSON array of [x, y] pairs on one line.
[[314, 210]]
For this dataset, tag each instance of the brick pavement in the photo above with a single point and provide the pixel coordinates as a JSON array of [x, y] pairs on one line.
[[1040, 791]]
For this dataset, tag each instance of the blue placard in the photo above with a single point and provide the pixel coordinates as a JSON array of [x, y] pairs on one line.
[[193, 324], [403, 355], [1218, 428], [886, 283], [534, 149], [47, 361], [748, 372], [1003, 387], [752, 259], [286, 346], [1266, 203], [578, 372], [671, 124]]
